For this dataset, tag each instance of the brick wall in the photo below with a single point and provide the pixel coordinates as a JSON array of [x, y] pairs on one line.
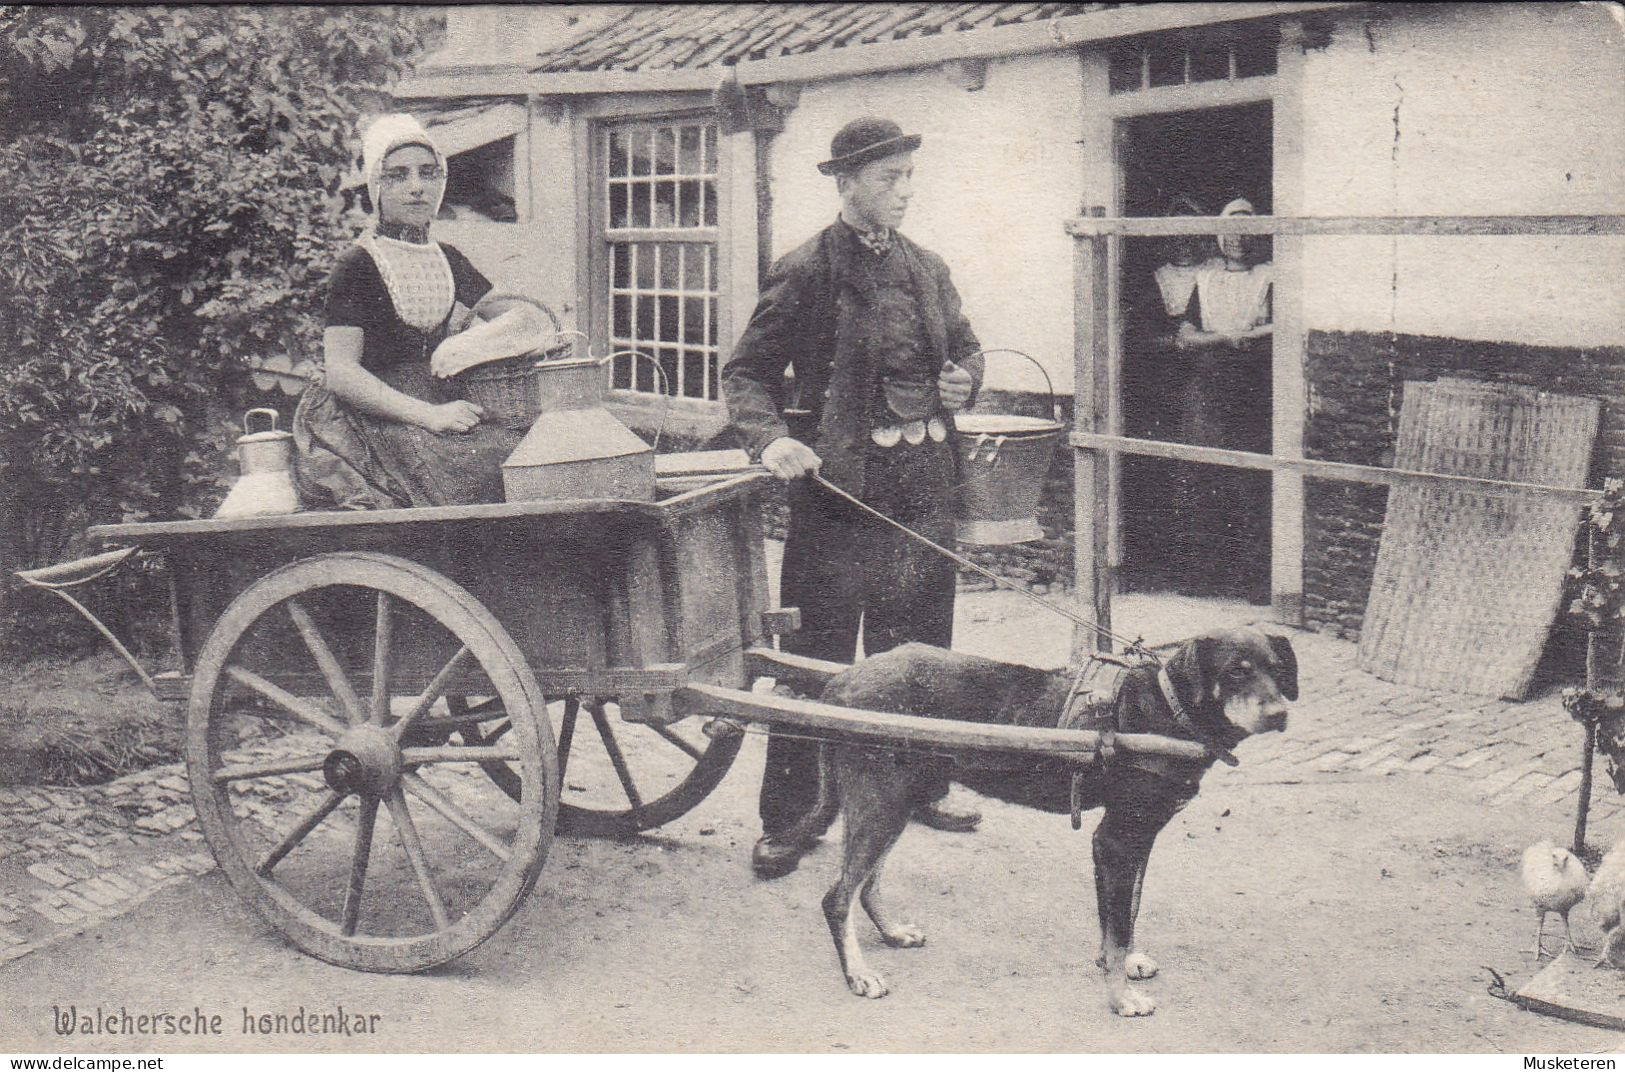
[[1355, 381]]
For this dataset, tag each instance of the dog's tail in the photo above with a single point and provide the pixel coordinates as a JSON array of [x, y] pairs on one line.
[[816, 823]]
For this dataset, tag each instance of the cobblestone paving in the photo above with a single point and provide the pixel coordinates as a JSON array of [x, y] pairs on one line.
[[70, 858]]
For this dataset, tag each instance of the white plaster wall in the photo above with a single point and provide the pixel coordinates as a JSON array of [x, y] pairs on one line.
[[536, 256], [998, 173], [1468, 109]]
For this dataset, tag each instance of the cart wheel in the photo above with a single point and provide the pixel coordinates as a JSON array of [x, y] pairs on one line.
[[344, 659], [621, 778]]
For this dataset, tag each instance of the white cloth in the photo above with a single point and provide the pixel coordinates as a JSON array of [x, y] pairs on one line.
[[1233, 302], [1177, 281], [418, 278], [501, 330]]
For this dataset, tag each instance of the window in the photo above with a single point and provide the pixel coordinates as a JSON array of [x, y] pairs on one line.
[[660, 229], [1176, 59]]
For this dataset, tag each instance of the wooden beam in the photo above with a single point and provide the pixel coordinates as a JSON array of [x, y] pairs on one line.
[[514, 81], [1091, 472], [913, 730], [1089, 443], [802, 673], [1159, 226]]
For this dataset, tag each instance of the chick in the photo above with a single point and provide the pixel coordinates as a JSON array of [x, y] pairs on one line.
[[1607, 899], [1555, 880]]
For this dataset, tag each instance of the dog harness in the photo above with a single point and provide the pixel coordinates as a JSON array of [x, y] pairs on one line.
[[1092, 703]]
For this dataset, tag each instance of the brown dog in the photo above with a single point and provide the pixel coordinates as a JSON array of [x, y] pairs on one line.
[[1225, 686]]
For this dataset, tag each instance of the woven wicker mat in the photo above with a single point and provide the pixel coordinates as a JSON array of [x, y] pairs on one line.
[[1467, 583]]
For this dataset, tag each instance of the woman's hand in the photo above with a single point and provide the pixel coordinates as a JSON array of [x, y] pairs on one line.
[[954, 385], [454, 417], [788, 458]]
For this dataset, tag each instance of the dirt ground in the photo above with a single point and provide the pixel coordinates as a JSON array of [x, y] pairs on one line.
[[1322, 916]]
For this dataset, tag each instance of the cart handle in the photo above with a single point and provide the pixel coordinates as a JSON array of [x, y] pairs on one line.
[[64, 575]]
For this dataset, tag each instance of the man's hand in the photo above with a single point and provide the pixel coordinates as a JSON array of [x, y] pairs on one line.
[[953, 386], [453, 417], [788, 458]]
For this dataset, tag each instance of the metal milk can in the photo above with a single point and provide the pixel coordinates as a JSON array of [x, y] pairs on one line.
[[265, 460]]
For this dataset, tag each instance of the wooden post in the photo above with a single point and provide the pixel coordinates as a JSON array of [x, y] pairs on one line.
[[1091, 472]]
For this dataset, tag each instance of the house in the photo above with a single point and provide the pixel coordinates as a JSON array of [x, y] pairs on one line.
[[639, 168]]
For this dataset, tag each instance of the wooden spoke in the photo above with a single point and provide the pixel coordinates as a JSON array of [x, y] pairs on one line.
[[567, 731], [454, 815], [413, 757], [436, 688], [381, 654], [343, 691], [299, 708], [407, 831], [236, 772], [358, 865], [606, 733], [310, 822], [683, 746]]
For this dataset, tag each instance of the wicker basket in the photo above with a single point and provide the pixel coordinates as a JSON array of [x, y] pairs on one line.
[[505, 389]]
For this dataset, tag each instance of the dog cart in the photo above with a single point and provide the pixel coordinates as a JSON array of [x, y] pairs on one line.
[[356, 681]]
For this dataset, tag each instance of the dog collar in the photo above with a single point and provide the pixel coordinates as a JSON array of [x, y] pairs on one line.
[[1183, 717]]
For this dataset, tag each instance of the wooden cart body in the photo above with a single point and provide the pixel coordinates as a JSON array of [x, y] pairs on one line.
[[601, 595]]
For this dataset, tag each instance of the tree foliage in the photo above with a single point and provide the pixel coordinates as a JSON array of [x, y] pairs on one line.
[[170, 212]]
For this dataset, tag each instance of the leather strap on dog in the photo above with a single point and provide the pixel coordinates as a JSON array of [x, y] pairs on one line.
[[1183, 717]]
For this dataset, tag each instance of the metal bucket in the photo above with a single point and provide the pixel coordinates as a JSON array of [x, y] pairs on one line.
[[1004, 461]]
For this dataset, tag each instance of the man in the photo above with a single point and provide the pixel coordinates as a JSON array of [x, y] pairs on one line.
[[868, 327]]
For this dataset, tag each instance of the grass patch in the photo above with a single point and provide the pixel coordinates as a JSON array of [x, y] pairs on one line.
[[81, 722]]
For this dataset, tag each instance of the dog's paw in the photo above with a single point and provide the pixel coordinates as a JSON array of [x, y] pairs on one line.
[[1139, 966], [1131, 1002], [904, 936], [866, 984]]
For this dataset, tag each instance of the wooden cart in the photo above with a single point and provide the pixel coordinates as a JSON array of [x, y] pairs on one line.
[[339, 665]]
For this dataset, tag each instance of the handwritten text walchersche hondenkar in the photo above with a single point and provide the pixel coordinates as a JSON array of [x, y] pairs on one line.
[[335, 1020]]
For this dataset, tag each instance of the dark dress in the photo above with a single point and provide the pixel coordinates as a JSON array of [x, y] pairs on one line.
[[355, 460]]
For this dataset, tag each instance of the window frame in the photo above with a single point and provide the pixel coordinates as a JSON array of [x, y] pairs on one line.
[[595, 262]]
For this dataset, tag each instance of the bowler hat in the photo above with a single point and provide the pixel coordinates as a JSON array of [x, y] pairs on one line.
[[863, 140]]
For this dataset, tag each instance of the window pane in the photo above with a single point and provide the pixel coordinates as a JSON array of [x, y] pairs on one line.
[[640, 205], [671, 324], [668, 364], [665, 204], [1168, 64], [710, 133], [712, 389], [622, 324], [711, 268], [617, 153], [622, 375], [694, 269], [694, 320], [640, 140], [688, 154], [711, 328], [689, 199], [665, 151], [1125, 68], [694, 377], [1255, 54], [710, 203], [671, 260], [644, 261], [1210, 61], [645, 325], [617, 205], [620, 267]]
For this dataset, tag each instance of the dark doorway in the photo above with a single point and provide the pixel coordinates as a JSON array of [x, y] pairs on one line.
[[1195, 529]]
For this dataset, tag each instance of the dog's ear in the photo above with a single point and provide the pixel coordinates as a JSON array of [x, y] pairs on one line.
[[1191, 670], [1287, 660]]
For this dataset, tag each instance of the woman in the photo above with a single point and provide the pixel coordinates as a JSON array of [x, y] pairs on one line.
[[1226, 335], [379, 431]]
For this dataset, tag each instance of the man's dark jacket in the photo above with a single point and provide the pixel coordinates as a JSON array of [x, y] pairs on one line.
[[815, 316]]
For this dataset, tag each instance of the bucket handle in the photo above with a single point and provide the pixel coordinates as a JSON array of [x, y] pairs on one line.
[[665, 386], [271, 413], [1049, 385], [508, 295]]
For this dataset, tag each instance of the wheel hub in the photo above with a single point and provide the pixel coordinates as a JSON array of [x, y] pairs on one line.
[[365, 760]]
